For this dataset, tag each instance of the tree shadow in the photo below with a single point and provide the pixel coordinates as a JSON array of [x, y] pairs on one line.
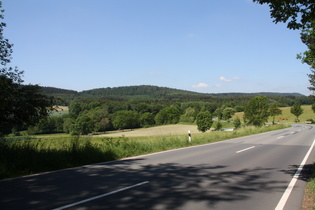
[[171, 186], [305, 174]]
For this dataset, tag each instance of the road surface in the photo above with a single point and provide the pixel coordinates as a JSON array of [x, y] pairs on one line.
[[253, 172]]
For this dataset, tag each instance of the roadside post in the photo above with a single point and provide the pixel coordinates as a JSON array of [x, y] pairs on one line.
[[189, 136]]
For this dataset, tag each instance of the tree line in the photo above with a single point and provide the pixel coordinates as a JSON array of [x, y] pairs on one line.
[[87, 116]]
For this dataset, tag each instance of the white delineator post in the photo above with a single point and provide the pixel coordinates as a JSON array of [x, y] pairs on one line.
[[189, 136]]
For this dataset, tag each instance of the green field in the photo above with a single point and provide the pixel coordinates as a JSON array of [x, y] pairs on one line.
[[286, 114], [57, 151]]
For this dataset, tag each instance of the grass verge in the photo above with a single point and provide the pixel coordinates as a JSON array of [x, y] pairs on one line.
[[24, 157], [309, 194]]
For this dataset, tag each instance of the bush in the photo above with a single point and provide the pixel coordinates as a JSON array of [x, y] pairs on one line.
[[311, 120], [237, 123], [204, 121], [218, 126]]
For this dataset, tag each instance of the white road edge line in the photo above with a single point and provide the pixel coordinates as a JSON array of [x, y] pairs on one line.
[[289, 189], [245, 149], [100, 196]]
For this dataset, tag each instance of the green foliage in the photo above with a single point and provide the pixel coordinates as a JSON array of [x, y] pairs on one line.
[[218, 126], [297, 110], [218, 113], [126, 119], [299, 15], [204, 121], [227, 113], [239, 108], [63, 152], [83, 125], [189, 115], [147, 119], [51, 124], [100, 117], [75, 108], [256, 112], [237, 123], [274, 111], [20, 105], [68, 125], [168, 115]]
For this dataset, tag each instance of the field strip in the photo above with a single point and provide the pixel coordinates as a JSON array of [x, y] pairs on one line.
[[243, 150], [289, 189], [100, 196]]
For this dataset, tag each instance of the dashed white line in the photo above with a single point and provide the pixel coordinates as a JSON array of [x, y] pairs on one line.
[[100, 196], [245, 149], [289, 189], [280, 137]]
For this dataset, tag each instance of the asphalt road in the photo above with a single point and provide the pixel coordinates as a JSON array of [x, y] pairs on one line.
[[251, 172]]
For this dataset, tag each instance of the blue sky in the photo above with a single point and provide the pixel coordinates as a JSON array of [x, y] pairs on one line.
[[207, 46]]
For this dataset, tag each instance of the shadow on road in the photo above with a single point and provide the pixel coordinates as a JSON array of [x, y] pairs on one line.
[[305, 174], [171, 186]]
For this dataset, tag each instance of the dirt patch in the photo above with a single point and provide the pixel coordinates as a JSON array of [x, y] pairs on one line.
[[61, 108], [154, 131]]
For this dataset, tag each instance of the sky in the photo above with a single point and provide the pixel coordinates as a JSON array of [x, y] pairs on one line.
[[206, 46]]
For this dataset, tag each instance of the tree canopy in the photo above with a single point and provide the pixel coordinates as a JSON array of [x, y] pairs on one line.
[[256, 111], [297, 110], [20, 105], [204, 121], [298, 14]]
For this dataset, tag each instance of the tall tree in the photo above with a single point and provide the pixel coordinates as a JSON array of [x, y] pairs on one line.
[[297, 110], [256, 112], [274, 111], [298, 14], [20, 105]]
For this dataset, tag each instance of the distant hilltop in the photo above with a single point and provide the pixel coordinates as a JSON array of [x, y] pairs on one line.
[[148, 92]]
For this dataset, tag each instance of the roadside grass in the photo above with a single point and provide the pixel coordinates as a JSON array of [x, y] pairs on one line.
[[52, 152], [309, 194]]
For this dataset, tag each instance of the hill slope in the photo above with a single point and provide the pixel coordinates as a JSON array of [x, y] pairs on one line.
[[148, 92]]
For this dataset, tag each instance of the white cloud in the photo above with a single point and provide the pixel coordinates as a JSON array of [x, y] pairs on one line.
[[204, 85], [228, 80], [224, 79], [201, 85]]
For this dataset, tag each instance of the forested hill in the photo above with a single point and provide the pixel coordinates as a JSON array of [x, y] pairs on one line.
[[143, 92], [148, 93]]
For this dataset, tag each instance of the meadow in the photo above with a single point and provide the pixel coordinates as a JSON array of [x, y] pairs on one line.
[[43, 153], [287, 117], [34, 154]]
